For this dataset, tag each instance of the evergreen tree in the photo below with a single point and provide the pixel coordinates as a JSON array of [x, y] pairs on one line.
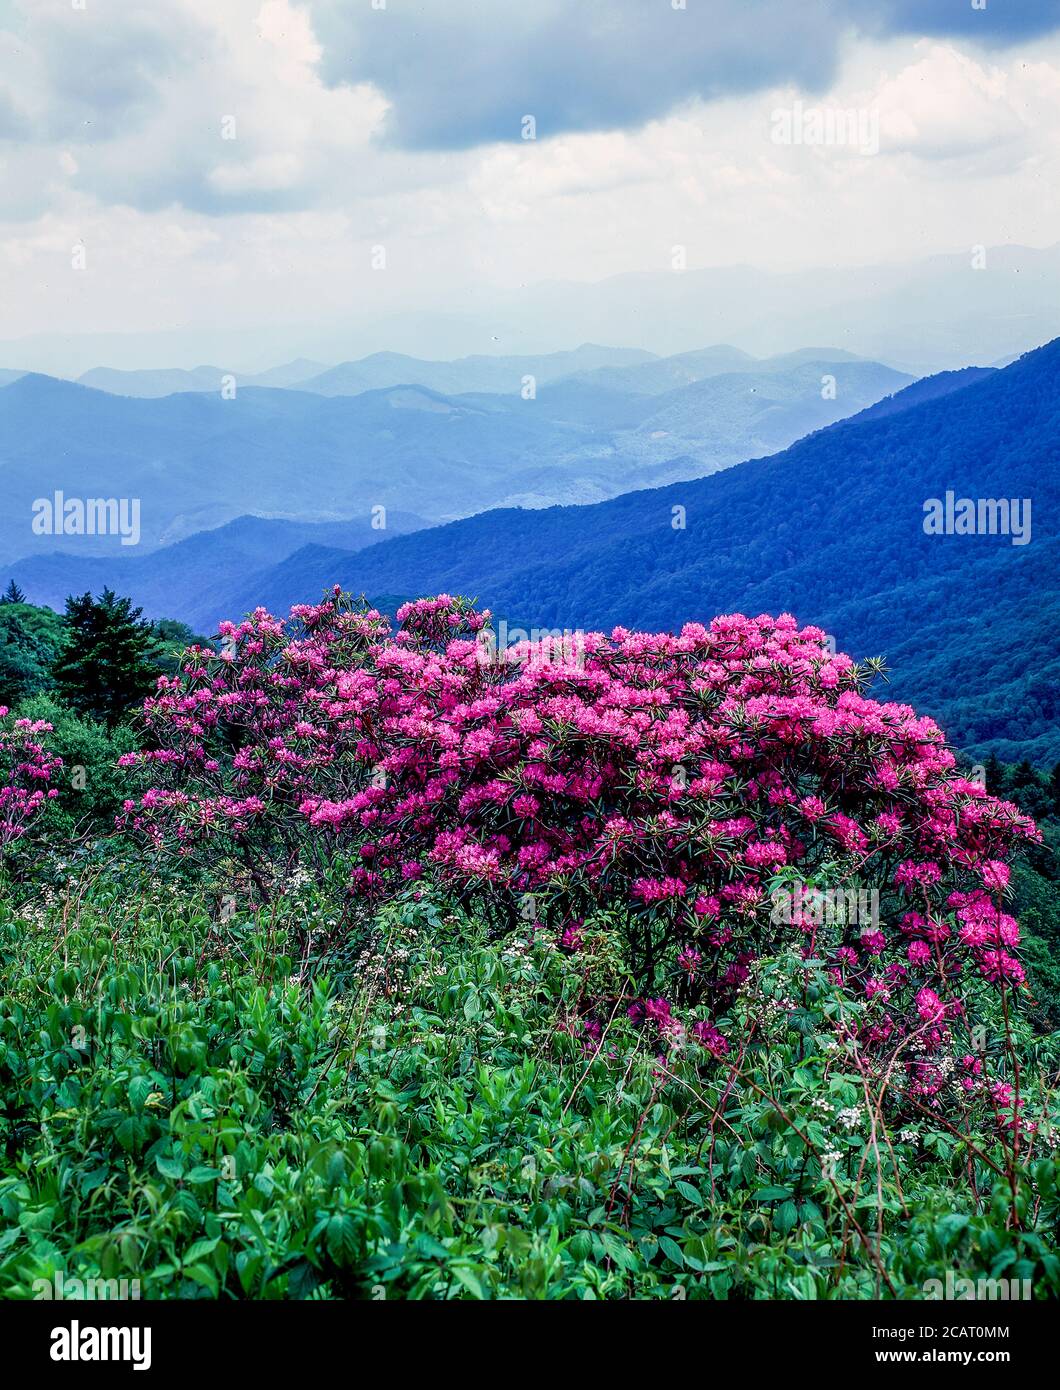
[[29, 640], [12, 594], [1028, 790], [110, 660], [21, 672]]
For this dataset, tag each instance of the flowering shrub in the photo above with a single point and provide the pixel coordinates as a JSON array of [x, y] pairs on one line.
[[239, 739], [676, 779], [26, 769]]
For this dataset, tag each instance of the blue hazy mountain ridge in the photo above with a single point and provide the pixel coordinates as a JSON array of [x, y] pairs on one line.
[[934, 314], [199, 574], [831, 529], [374, 373], [928, 388], [196, 460], [665, 373], [165, 381], [630, 371], [468, 374]]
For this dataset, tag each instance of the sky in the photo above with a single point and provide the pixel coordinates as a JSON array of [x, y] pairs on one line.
[[194, 167]]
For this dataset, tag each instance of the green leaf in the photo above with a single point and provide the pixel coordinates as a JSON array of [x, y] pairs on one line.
[[202, 1274], [340, 1238], [172, 1168], [787, 1216], [464, 1276], [202, 1173], [672, 1251], [201, 1249], [139, 1089]]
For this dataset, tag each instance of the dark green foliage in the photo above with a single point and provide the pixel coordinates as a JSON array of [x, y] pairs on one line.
[[174, 638], [110, 658], [30, 638], [20, 673]]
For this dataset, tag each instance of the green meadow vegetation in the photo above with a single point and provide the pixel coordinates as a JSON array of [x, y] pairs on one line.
[[317, 1096]]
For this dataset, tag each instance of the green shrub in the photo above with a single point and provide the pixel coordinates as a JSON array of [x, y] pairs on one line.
[[91, 786]]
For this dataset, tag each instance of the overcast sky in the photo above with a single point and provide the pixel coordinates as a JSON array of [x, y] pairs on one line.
[[187, 163]]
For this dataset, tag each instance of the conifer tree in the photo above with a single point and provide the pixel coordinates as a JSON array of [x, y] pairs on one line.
[[110, 659]]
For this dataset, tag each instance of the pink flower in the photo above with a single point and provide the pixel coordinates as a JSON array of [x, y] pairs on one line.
[[689, 960], [929, 1006], [995, 875]]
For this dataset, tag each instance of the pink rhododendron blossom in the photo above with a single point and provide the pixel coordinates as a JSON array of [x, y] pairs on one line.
[[26, 769]]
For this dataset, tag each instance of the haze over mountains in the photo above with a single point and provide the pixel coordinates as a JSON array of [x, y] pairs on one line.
[[165, 381], [196, 460], [200, 574], [977, 305], [974, 306]]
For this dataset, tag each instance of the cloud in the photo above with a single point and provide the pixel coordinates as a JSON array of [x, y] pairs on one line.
[[642, 145], [947, 106], [327, 101], [464, 74], [89, 73], [215, 110]]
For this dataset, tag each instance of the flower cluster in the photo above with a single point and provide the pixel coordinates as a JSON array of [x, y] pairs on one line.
[[671, 778], [26, 770]]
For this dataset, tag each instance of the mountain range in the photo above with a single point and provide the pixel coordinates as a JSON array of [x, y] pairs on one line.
[[629, 371], [198, 575], [196, 460], [166, 381]]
